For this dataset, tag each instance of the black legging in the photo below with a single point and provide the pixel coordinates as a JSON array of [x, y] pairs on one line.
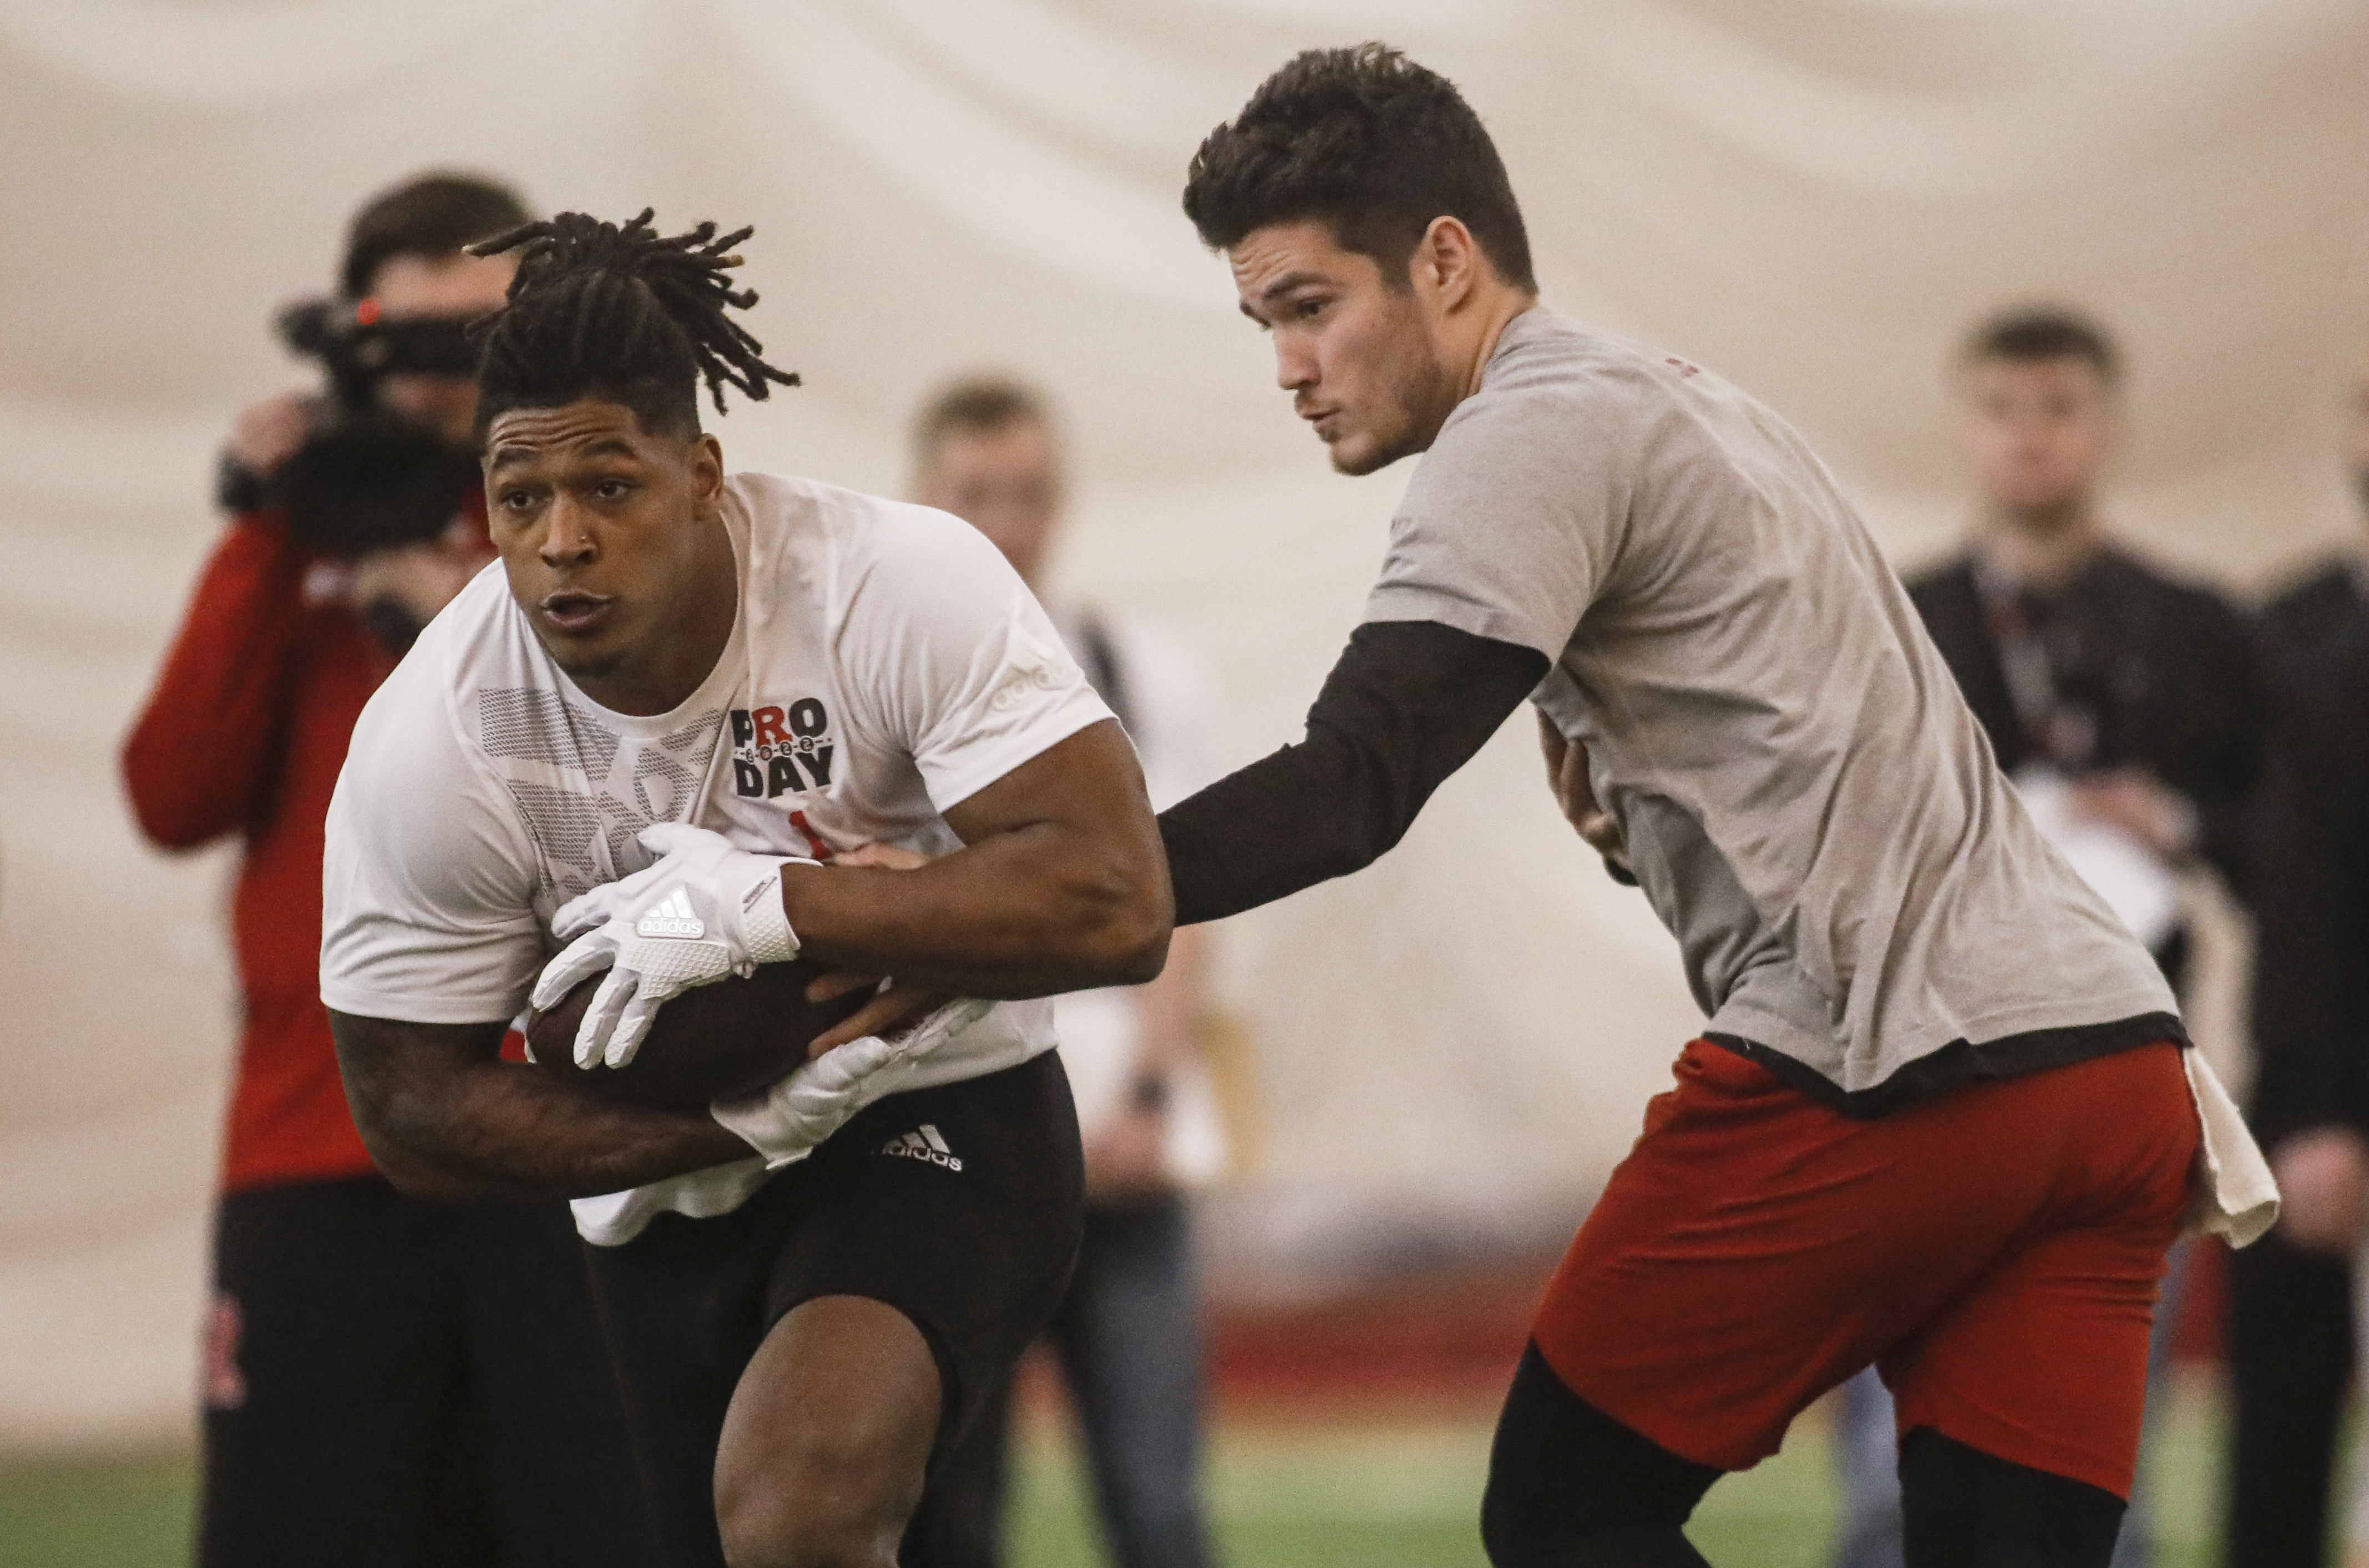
[[1570, 1487]]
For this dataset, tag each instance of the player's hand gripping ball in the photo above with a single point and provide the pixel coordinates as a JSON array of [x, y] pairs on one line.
[[712, 1042], [704, 911]]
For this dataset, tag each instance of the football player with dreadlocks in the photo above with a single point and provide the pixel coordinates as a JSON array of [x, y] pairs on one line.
[[689, 687]]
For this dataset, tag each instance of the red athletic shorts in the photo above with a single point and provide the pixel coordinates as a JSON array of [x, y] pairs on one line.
[[1993, 1252]]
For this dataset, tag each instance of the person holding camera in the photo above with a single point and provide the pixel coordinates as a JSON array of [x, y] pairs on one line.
[[386, 1381]]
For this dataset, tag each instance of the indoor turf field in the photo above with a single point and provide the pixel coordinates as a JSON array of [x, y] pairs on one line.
[[1374, 1492]]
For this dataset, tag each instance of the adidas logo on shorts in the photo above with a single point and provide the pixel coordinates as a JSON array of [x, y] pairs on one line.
[[926, 1144], [670, 916]]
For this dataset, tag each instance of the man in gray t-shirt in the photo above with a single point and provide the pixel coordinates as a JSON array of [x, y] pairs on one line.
[[1941, 1118], [1857, 896]]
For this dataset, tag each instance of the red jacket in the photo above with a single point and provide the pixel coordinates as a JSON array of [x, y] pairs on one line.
[[245, 733]]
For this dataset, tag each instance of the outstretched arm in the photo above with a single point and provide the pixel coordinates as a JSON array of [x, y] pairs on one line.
[[1407, 704], [1061, 886], [445, 1117]]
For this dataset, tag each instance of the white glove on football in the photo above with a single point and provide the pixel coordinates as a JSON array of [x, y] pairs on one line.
[[787, 1122], [704, 911]]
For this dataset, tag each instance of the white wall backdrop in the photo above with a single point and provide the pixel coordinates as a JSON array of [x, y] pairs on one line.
[[1812, 197]]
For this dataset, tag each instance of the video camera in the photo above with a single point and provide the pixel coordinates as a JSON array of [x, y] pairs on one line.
[[358, 346], [365, 479]]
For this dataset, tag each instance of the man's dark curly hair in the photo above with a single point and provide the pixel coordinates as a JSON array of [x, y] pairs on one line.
[[1368, 142], [621, 314], [2045, 332]]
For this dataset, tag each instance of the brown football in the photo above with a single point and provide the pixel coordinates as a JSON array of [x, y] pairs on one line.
[[711, 1041]]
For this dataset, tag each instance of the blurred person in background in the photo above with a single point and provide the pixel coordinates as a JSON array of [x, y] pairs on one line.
[[386, 1381], [2311, 614], [2126, 705], [2293, 1330], [1127, 1336]]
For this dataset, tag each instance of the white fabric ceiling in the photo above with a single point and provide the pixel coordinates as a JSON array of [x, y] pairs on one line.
[[1811, 198]]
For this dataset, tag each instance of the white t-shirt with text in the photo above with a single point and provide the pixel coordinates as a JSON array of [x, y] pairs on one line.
[[885, 665]]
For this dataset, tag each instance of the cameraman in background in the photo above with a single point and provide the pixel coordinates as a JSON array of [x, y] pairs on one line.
[[386, 1381]]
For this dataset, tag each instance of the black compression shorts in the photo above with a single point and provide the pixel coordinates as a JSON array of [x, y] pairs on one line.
[[958, 1205]]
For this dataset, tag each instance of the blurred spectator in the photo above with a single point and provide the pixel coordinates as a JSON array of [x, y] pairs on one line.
[[1127, 1336], [2292, 1328], [2126, 705], [2306, 618], [386, 1381]]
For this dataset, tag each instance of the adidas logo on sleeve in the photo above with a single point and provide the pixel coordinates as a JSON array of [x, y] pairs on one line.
[[926, 1144], [670, 916]]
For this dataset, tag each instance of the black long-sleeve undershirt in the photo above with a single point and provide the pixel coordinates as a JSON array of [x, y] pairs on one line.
[[1407, 704]]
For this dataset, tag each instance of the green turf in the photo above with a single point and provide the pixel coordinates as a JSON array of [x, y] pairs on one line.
[[1382, 1496], [1313, 1497], [1292, 1495], [95, 1514]]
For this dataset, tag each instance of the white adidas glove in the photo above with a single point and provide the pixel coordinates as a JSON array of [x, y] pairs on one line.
[[787, 1122], [704, 911]]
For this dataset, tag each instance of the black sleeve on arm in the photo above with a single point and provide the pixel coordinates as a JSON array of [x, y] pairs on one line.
[[1409, 703]]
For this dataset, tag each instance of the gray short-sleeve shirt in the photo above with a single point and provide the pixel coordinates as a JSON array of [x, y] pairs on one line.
[[1814, 812]]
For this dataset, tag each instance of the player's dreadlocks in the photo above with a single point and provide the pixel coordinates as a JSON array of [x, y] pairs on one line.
[[624, 313]]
